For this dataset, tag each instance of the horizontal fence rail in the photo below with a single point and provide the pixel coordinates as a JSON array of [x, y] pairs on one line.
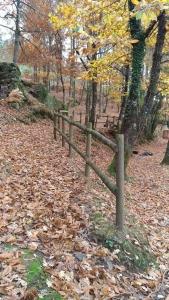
[[94, 133], [110, 120], [60, 118]]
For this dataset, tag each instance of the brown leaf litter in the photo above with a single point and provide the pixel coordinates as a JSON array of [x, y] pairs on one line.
[[45, 205]]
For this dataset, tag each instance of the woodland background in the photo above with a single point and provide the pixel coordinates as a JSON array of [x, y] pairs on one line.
[[107, 63]]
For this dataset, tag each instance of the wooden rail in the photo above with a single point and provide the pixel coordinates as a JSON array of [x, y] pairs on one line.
[[85, 129], [109, 119], [118, 147]]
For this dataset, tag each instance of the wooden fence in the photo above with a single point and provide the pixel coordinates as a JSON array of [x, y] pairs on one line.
[[109, 120], [60, 120]]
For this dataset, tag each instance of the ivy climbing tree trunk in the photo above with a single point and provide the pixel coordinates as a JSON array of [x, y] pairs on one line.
[[129, 124]]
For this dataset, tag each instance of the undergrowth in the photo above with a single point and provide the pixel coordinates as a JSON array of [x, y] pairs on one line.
[[132, 247], [47, 104], [40, 112], [36, 277], [50, 101]]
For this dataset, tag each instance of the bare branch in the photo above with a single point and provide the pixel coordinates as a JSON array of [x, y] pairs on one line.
[[150, 29], [82, 61], [7, 27]]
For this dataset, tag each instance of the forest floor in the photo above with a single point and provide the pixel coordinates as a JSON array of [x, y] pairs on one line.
[[51, 217]]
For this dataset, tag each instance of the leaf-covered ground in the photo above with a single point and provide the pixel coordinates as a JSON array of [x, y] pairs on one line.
[[46, 208]]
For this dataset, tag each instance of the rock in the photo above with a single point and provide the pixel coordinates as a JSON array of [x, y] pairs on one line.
[[15, 96], [9, 78], [79, 255], [146, 153]]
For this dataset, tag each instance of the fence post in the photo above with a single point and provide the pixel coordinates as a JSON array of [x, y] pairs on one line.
[[55, 126], [88, 149], [70, 137], [63, 131], [120, 182]]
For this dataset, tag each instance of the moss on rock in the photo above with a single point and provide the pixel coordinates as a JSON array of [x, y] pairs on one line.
[[9, 78]]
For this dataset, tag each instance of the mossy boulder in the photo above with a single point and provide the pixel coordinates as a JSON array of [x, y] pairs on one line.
[[9, 78], [40, 92]]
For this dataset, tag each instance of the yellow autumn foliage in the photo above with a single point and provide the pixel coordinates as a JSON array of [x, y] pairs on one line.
[[102, 34]]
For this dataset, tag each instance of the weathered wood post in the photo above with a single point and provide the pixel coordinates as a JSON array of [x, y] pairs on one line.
[[63, 131], [88, 149], [120, 183], [55, 126], [70, 137]]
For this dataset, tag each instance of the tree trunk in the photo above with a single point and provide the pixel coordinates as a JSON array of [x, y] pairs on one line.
[[49, 65], [106, 101], [45, 75], [130, 121], [94, 92], [82, 93], [129, 125], [151, 121], [17, 33], [35, 74], [73, 81], [150, 98], [124, 96], [88, 101], [133, 117], [165, 160], [63, 86], [100, 99], [94, 102]]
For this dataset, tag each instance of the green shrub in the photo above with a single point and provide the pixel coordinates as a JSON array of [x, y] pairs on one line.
[[41, 92], [134, 256]]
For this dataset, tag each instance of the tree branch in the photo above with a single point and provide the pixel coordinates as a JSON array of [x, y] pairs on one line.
[[7, 27], [82, 61], [150, 29], [165, 61]]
